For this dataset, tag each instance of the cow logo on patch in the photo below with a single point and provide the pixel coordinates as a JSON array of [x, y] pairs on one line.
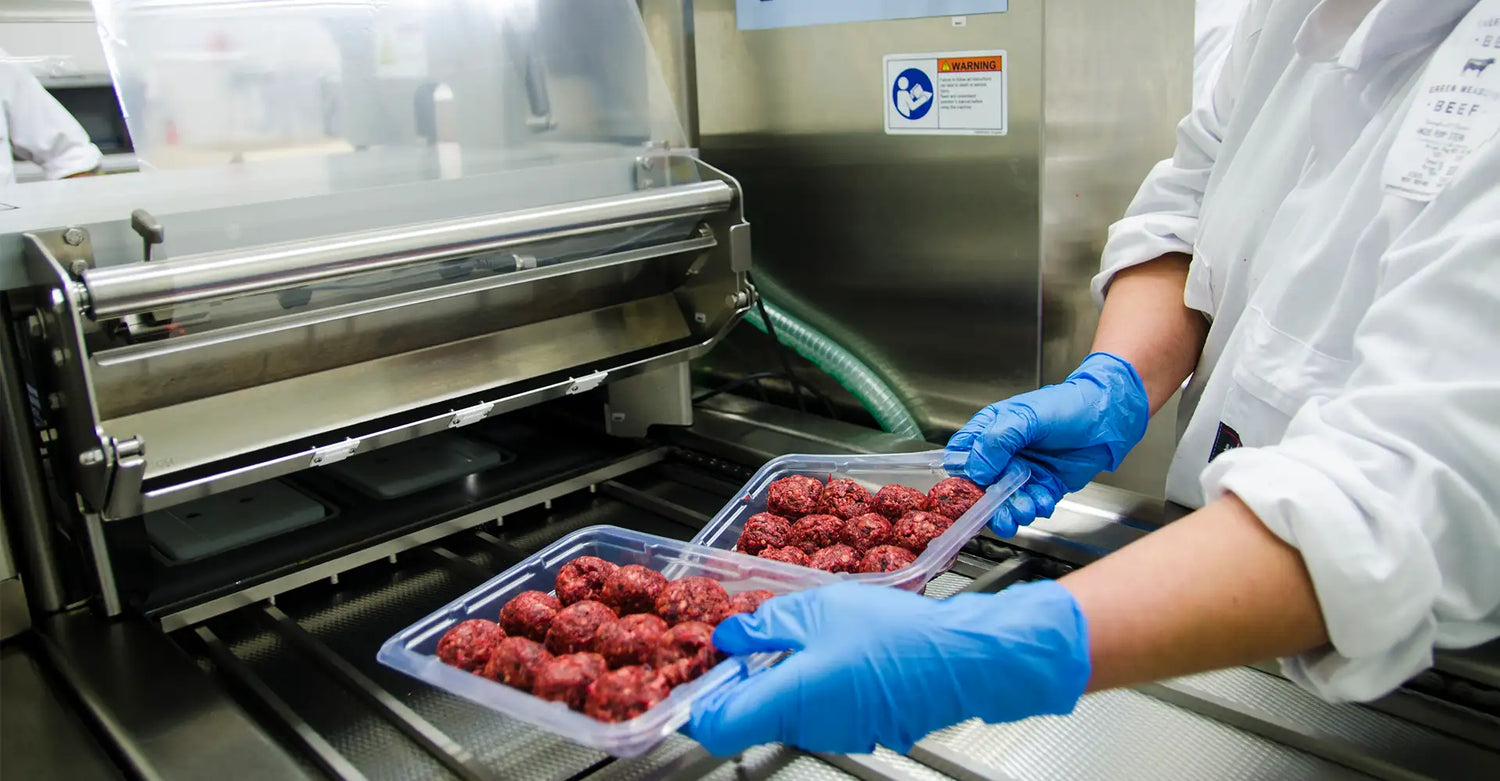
[[1478, 66]]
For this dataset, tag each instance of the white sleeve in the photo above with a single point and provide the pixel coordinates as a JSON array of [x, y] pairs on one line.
[[41, 130], [1391, 488], [1163, 218]]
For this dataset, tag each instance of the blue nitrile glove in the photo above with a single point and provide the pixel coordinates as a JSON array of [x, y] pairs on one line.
[[877, 665], [1065, 433]]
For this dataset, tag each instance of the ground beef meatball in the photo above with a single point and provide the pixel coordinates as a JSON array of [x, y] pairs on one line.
[[576, 625], [468, 644], [685, 652], [788, 554], [916, 529], [514, 662], [953, 497], [836, 558], [845, 498], [567, 678], [691, 599], [894, 501], [763, 530], [816, 532], [867, 531], [633, 589], [623, 694], [746, 602], [886, 558], [631, 640], [583, 578], [529, 614], [794, 497]]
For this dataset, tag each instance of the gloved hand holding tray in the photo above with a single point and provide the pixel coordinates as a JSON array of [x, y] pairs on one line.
[[851, 486], [416, 649]]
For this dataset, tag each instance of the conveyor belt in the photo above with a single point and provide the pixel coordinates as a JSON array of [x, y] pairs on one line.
[[307, 663]]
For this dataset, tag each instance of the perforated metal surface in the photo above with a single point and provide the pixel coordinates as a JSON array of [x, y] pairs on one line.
[[656, 763], [777, 763], [1122, 735], [355, 624], [373, 746], [909, 767], [946, 585], [1268, 693]]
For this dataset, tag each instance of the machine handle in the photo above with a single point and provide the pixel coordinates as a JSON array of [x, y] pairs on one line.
[[144, 287]]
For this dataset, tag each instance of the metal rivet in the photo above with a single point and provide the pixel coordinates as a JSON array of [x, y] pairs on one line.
[[700, 318]]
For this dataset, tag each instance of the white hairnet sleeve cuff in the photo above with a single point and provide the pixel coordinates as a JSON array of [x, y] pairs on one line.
[[1375, 579]]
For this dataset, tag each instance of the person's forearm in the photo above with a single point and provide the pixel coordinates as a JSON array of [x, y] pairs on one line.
[[1212, 590], [1145, 322]]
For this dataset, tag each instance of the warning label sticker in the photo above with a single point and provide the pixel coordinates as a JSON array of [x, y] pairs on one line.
[[947, 93]]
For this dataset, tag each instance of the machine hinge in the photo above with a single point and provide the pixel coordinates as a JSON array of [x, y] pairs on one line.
[[472, 414], [332, 454], [586, 383]]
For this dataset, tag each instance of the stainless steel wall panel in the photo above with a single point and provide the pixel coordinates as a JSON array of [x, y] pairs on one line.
[[925, 245]]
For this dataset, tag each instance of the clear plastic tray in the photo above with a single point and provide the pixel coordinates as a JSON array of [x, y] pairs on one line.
[[917, 470], [412, 650]]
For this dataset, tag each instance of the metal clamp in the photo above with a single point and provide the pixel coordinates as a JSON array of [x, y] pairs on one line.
[[332, 454], [586, 383], [470, 415]]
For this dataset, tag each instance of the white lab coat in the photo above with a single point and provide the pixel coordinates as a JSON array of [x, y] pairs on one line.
[[1213, 29], [1355, 340], [36, 127]]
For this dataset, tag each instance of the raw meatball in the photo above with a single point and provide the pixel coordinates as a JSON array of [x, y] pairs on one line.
[[794, 497], [576, 625], [866, 531], [763, 530], [529, 614], [514, 662], [845, 498], [468, 644], [691, 599], [625, 693], [788, 554], [746, 601], [567, 678], [816, 532], [895, 501], [583, 578], [836, 558], [631, 640], [953, 497], [685, 652], [886, 558], [916, 529], [633, 589]]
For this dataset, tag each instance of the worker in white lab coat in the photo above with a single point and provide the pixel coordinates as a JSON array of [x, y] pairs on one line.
[[35, 127], [1322, 255], [1213, 30]]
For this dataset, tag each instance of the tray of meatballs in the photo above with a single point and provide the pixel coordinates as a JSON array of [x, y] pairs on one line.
[[893, 520], [603, 637]]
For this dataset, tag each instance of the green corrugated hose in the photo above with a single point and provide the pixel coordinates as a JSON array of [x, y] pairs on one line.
[[843, 366]]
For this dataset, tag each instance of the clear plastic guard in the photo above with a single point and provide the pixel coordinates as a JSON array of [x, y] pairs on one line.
[[492, 86]]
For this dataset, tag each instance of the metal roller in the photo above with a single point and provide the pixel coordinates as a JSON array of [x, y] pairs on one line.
[[137, 288]]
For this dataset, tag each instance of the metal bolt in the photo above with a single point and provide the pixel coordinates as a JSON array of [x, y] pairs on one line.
[[54, 401], [78, 266], [34, 326], [91, 457], [737, 300], [59, 358], [74, 236]]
